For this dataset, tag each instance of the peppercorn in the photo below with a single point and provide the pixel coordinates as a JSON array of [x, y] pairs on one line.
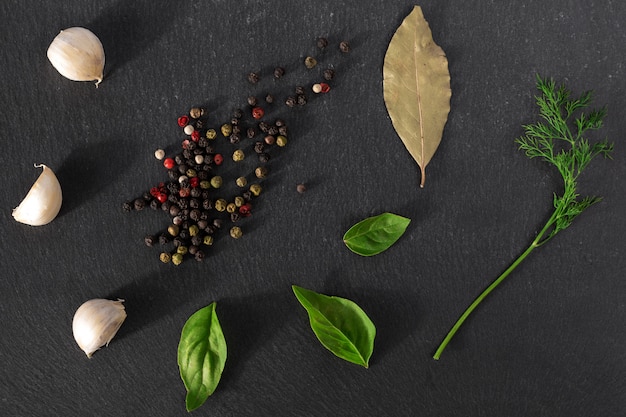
[[281, 140], [193, 230], [199, 159], [177, 259], [226, 129], [189, 129], [127, 206], [165, 257], [272, 130], [205, 184], [235, 217], [199, 124], [173, 230], [269, 139], [220, 205], [322, 43], [192, 249], [252, 101], [207, 240], [182, 250], [149, 240], [191, 173], [259, 147], [199, 256], [231, 208], [194, 215], [159, 154], [316, 88], [163, 239], [194, 203], [253, 78], [299, 90], [329, 74], [235, 232], [310, 62], [261, 172], [255, 189], [283, 130], [169, 163], [139, 204], [234, 138], [217, 223], [218, 159], [154, 204], [264, 157], [247, 195], [183, 120], [196, 112], [258, 113], [301, 188], [216, 181], [241, 182], [238, 155], [245, 210], [269, 99], [344, 47], [279, 123], [301, 99], [279, 72], [239, 201], [291, 101], [207, 204], [211, 134]]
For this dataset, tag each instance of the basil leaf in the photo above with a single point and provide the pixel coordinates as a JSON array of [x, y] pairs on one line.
[[340, 325], [375, 234], [201, 355]]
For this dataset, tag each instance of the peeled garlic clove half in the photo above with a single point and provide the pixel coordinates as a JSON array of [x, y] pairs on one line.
[[43, 202], [96, 322], [78, 55]]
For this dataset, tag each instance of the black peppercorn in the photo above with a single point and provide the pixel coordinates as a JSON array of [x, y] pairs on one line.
[[194, 203], [269, 99], [251, 132], [207, 204], [263, 126], [217, 223], [194, 215], [235, 138], [237, 113], [283, 130], [259, 147], [234, 217], [139, 204], [199, 124], [173, 175], [299, 90], [164, 239], [291, 101], [279, 123], [322, 43], [264, 157], [154, 204], [344, 47], [253, 77], [234, 121], [301, 100], [279, 72], [150, 240], [199, 256], [165, 206], [127, 206], [329, 74], [196, 240], [252, 100], [273, 130]]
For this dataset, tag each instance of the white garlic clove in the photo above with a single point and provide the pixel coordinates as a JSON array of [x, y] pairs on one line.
[[43, 202], [78, 55], [96, 322]]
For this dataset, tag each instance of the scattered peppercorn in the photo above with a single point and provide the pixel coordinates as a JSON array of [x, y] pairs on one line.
[[211, 134], [159, 154], [196, 112], [322, 43], [227, 129], [177, 259], [255, 189], [258, 112], [279, 72], [344, 47], [290, 101], [236, 232], [238, 155], [252, 101], [329, 74], [281, 140], [301, 188], [261, 172], [269, 99], [165, 257], [241, 182], [253, 77], [310, 62]]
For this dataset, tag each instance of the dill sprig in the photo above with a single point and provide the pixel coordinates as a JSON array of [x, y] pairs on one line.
[[560, 139]]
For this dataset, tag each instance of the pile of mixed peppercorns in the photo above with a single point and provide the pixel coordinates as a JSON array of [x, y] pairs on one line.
[[192, 195]]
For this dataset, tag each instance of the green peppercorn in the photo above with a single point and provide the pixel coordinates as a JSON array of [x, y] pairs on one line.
[[281, 140], [220, 205], [239, 201], [208, 240], [193, 230], [227, 129], [261, 172], [310, 62], [216, 181], [196, 112], [211, 134], [177, 258], [235, 232], [241, 182], [238, 155], [165, 257], [182, 250], [255, 189], [191, 173], [173, 230], [231, 207], [205, 184]]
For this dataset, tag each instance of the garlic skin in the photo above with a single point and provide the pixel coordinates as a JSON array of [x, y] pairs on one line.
[[43, 201], [96, 322], [78, 55]]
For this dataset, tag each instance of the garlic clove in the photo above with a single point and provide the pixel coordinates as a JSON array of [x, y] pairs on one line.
[[78, 55], [43, 201], [96, 322]]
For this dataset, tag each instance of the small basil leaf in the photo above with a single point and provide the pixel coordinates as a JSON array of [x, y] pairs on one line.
[[340, 325], [375, 234], [201, 355]]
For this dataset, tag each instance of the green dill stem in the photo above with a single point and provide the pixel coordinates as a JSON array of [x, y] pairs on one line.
[[535, 244]]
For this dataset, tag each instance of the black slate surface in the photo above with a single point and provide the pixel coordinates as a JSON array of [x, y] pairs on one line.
[[549, 342]]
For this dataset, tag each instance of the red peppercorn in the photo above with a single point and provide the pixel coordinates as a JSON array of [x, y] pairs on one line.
[[245, 210], [325, 87], [183, 192], [195, 136], [154, 191], [218, 159], [258, 112], [185, 144], [162, 197], [169, 163], [183, 121], [194, 182]]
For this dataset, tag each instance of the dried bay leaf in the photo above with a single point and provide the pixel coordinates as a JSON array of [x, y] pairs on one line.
[[416, 88]]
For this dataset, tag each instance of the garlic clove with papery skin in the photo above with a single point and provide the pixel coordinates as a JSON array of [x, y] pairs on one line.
[[43, 201], [96, 322], [78, 55]]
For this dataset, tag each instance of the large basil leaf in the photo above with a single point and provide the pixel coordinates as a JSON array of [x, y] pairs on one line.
[[375, 234], [340, 325], [201, 355]]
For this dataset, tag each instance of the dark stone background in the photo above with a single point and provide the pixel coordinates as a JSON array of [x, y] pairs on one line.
[[549, 342]]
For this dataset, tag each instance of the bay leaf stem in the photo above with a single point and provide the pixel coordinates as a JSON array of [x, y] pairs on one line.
[[535, 244]]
